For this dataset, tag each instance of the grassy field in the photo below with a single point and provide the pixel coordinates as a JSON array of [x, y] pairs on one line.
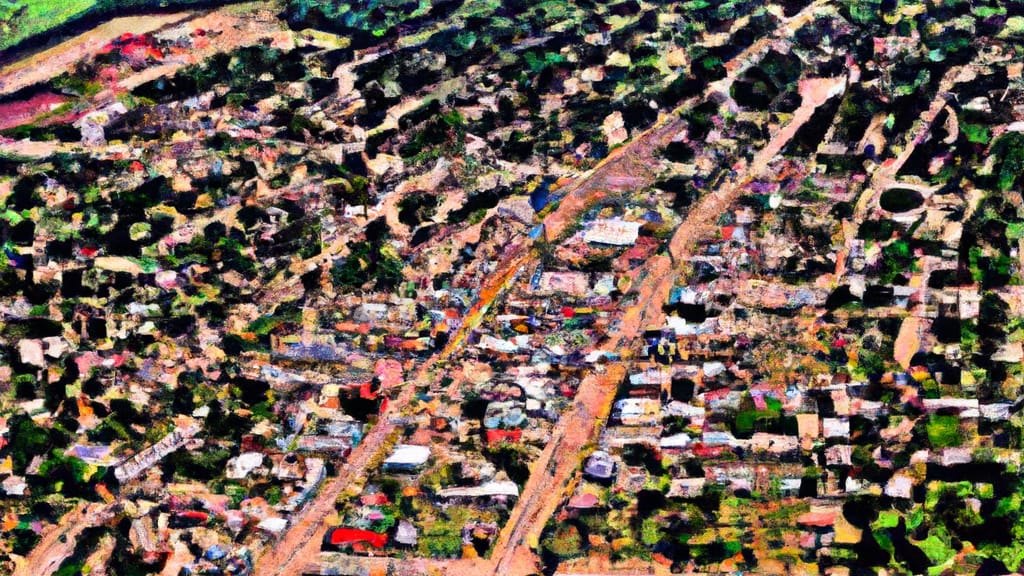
[[21, 19], [24, 19]]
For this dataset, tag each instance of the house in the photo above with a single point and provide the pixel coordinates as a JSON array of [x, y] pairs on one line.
[[599, 466], [868, 408], [407, 458], [966, 407], [572, 283], [97, 455], [505, 415], [773, 443], [790, 487], [319, 443], [996, 411], [686, 487], [696, 414], [819, 525], [636, 411], [835, 427], [493, 490], [838, 455], [138, 463], [142, 535], [273, 526], [718, 437], [498, 436], [406, 534], [969, 300], [354, 536], [242, 465], [584, 501], [14, 486], [612, 232], [499, 345], [819, 518], [650, 382], [373, 312], [901, 485], [956, 455], [675, 442]]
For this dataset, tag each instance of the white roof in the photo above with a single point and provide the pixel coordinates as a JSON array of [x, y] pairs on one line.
[[500, 488], [614, 232], [243, 465], [791, 483], [1000, 411], [677, 408], [835, 427], [409, 454], [958, 455], [637, 406], [676, 441], [969, 407], [650, 376], [489, 342], [14, 485], [900, 486], [273, 525], [712, 369]]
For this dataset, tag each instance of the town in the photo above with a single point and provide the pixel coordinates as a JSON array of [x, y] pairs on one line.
[[468, 287]]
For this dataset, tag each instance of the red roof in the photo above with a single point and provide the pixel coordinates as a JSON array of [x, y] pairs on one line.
[[353, 536], [366, 392], [584, 501], [702, 450], [378, 499], [495, 436], [194, 515], [818, 519]]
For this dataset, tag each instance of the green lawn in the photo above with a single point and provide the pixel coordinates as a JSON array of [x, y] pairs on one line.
[[21, 19]]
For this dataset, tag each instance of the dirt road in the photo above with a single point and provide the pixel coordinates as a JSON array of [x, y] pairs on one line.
[[305, 533], [885, 173], [635, 160], [240, 25], [544, 490], [58, 543], [632, 165], [919, 134], [302, 542], [597, 391], [701, 220], [43, 66]]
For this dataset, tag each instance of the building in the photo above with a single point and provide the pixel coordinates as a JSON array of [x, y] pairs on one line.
[[407, 458]]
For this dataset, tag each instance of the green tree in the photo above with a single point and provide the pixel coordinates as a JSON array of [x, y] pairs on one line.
[[565, 542]]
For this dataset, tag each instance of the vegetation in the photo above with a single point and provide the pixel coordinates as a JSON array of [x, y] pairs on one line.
[[24, 20]]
